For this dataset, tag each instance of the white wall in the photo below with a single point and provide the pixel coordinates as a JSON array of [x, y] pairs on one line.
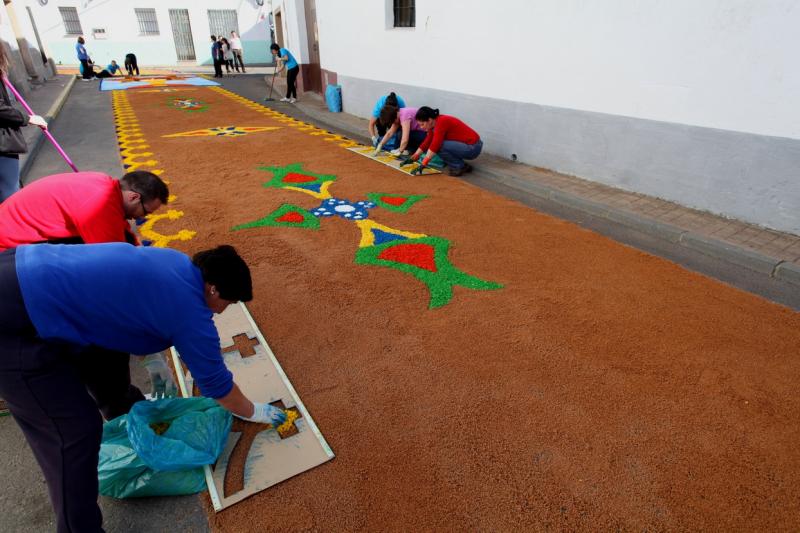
[[726, 64], [118, 18], [294, 27]]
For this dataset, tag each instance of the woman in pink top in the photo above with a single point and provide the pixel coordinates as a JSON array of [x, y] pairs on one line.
[[412, 133]]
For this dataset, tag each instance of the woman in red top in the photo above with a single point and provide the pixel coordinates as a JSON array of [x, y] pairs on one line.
[[448, 137]]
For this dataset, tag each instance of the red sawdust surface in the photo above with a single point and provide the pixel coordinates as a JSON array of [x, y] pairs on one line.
[[601, 388]]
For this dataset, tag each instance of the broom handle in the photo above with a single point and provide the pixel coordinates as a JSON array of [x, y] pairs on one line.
[[44, 130]]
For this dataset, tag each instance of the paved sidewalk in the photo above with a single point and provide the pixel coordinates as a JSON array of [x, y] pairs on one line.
[[45, 99], [767, 251]]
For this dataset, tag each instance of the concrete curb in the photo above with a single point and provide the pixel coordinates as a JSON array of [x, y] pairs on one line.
[[724, 251], [52, 113]]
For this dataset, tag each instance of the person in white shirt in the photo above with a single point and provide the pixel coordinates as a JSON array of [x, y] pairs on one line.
[[237, 51]]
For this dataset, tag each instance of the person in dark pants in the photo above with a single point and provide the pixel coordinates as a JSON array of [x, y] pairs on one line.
[[216, 56], [131, 65], [58, 301], [287, 62], [450, 138], [86, 62], [12, 141], [238, 51]]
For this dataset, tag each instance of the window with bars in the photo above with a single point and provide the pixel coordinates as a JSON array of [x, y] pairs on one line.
[[148, 23], [404, 16], [72, 24], [223, 22]]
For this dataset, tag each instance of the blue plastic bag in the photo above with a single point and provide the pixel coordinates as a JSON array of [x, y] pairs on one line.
[[333, 96], [135, 461]]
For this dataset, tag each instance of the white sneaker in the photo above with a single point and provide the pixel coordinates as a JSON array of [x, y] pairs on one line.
[[284, 99], [292, 100]]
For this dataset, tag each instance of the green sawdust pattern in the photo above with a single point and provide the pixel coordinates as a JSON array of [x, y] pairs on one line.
[[440, 283], [280, 173], [309, 221], [411, 199], [173, 103]]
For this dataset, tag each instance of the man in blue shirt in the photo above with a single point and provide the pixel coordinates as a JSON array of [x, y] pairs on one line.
[[57, 301], [216, 56], [287, 61], [83, 57], [109, 71]]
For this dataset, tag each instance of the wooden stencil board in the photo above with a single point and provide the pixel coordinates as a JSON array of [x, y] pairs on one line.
[[266, 457], [389, 160]]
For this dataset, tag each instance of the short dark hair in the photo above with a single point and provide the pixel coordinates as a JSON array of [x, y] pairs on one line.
[[147, 184], [213, 37], [274, 46], [426, 113], [227, 271]]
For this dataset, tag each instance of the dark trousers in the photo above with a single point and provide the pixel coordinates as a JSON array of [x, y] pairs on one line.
[[291, 82], [104, 74], [217, 68], [237, 60], [48, 400], [88, 72], [131, 66]]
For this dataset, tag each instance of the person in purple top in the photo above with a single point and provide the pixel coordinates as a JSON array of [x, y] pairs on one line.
[[58, 301], [402, 119]]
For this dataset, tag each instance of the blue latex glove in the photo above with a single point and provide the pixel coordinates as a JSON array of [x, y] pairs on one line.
[[265, 413], [163, 385], [375, 140]]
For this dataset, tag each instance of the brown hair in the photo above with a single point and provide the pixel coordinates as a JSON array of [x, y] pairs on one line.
[[388, 115]]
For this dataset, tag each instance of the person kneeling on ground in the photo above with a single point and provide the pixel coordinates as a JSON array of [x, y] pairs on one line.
[[110, 70], [376, 128], [448, 137], [403, 119], [58, 300]]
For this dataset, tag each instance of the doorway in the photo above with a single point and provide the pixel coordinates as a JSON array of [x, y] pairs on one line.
[[312, 74], [182, 33]]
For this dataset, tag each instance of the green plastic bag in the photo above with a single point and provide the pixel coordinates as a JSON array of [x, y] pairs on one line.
[[135, 461]]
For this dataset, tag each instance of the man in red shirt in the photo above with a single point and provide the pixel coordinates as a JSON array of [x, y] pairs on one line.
[[89, 207], [449, 137], [82, 207]]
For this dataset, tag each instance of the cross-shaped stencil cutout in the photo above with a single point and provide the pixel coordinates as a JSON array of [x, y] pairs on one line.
[[242, 344], [234, 474]]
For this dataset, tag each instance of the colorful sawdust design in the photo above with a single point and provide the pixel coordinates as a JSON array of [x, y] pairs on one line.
[[294, 178], [424, 257], [188, 104], [299, 125], [133, 150], [223, 131], [287, 216], [117, 84], [399, 203]]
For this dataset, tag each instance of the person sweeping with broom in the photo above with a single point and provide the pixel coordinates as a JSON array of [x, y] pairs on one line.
[[12, 142]]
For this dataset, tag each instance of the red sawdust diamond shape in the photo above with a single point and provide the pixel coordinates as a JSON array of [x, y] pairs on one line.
[[291, 216], [393, 200], [294, 177], [418, 255]]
